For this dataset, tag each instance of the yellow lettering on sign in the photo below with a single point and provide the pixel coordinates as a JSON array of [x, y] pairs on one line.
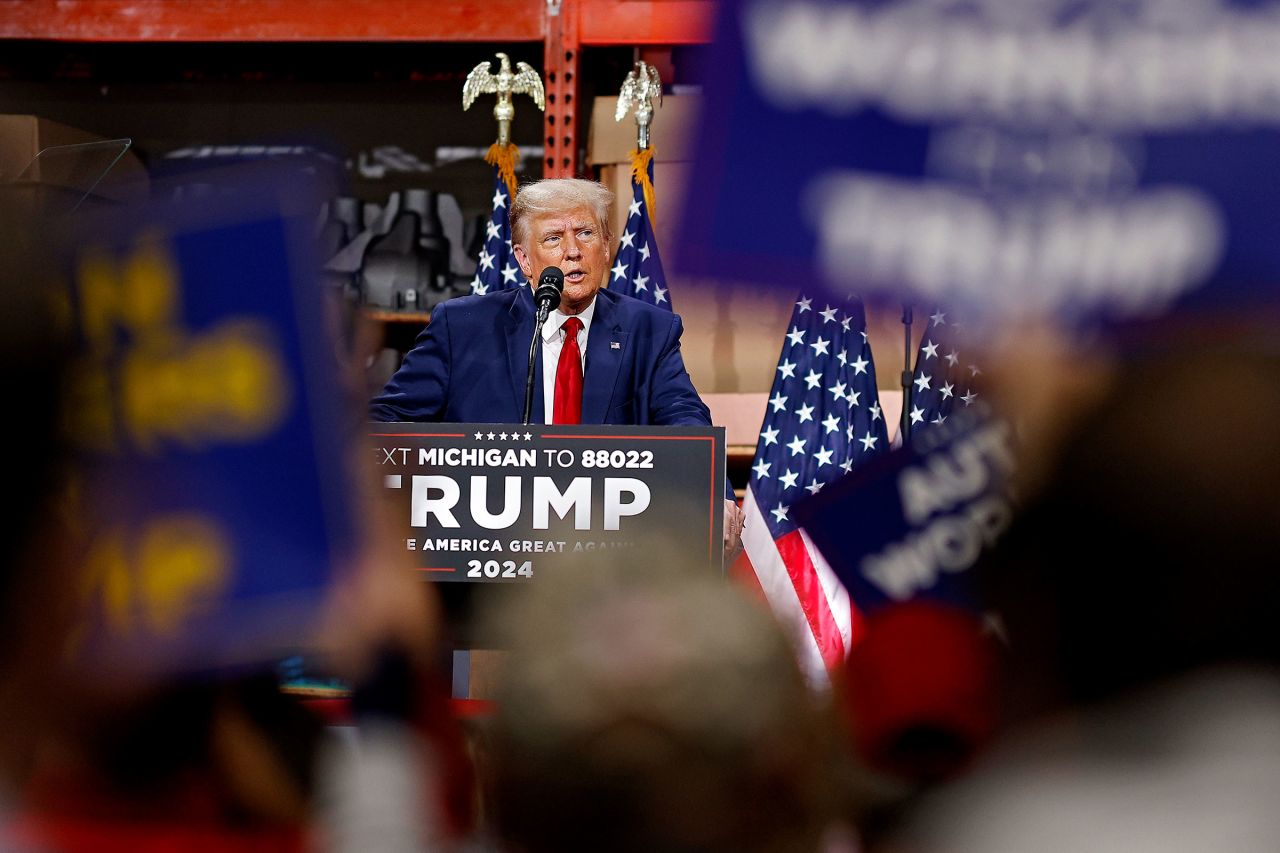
[[176, 566], [228, 384], [183, 562]]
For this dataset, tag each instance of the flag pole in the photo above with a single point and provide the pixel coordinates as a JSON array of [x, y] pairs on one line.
[[904, 430]]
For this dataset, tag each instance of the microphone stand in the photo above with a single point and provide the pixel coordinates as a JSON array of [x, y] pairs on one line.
[[544, 309]]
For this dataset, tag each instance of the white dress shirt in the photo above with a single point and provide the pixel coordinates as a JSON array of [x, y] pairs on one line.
[[552, 343]]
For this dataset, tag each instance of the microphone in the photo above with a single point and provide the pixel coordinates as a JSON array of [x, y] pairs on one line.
[[550, 285], [547, 297]]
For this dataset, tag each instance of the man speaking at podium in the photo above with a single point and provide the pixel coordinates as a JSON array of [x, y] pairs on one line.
[[613, 359]]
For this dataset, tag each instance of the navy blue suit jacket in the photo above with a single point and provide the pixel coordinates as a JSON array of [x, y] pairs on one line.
[[471, 362]]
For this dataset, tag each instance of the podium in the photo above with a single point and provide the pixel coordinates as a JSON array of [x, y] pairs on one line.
[[496, 504]]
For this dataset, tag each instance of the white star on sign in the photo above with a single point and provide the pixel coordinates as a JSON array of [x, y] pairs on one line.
[[778, 514], [860, 366], [797, 446], [788, 480], [479, 436], [803, 304], [923, 382], [930, 350], [491, 436], [823, 457], [761, 468], [509, 274], [486, 260], [502, 436], [493, 231], [619, 272], [499, 199], [828, 314], [832, 423], [805, 412], [795, 336], [778, 402], [642, 282], [627, 240], [820, 346], [770, 436], [814, 379], [787, 369], [528, 436], [917, 415], [869, 440]]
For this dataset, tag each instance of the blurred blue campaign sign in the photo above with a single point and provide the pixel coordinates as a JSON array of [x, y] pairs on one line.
[[907, 526], [1069, 156], [215, 495]]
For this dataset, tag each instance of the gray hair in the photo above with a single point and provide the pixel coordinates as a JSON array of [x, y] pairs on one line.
[[558, 194]]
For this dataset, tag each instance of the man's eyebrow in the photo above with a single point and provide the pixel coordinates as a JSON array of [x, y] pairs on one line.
[[555, 230]]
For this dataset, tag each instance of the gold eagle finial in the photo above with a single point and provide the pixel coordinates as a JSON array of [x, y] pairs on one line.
[[504, 84], [638, 91]]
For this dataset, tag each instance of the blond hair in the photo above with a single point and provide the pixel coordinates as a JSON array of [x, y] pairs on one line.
[[559, 194]]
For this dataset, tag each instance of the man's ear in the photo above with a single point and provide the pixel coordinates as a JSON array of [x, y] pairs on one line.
[[523, 260]]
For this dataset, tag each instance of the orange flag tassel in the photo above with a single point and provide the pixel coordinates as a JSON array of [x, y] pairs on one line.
[[504, 157], [640, 159]]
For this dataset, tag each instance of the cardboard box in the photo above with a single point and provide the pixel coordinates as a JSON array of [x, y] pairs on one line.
[[609, 148], [22, 137], [674, 122], [669, 182]]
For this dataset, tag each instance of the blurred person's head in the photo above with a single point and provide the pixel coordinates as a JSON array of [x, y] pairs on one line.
[[34, 588], [643, 709], [1150, 549]]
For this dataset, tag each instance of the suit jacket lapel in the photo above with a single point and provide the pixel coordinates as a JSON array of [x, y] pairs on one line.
[[519, 328], [606, 343]]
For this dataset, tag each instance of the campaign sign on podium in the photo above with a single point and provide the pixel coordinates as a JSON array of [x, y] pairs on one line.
[[486, 503]]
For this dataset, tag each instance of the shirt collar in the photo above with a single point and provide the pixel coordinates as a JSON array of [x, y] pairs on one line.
[[556, 319]]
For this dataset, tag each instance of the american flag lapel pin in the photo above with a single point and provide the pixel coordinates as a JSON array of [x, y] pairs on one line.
[[614, 345]]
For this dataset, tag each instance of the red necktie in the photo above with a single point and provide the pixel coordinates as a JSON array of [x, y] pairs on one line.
[[568, 400]]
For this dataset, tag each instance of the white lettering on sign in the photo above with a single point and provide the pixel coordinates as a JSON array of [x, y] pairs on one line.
[[510, 503], [1135, 254], [422, 504], [436, 496], [945, 479], [576, 497], [492, 457], [615, 509], [948, 544], [921, 61]]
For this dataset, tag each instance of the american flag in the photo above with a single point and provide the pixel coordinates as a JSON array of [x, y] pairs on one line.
[[638, 270], [943, 377], [497, 268], [822, 420]]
